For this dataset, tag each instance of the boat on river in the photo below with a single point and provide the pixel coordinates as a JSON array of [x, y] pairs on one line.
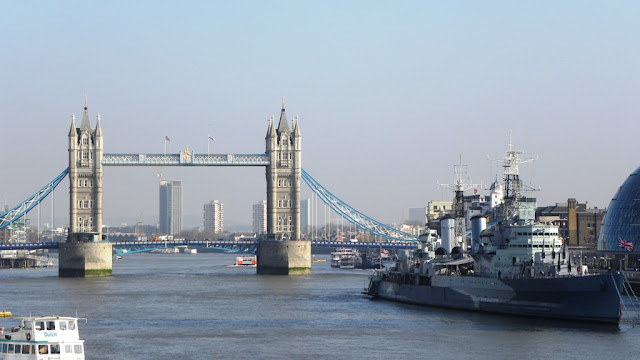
[[42, 338], [515, 265], [343, 257], [247, 260]]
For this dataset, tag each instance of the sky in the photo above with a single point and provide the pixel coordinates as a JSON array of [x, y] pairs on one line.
[[390, 95]]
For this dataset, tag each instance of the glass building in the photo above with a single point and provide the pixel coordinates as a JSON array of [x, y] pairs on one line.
[[620, 231], [170, 219]]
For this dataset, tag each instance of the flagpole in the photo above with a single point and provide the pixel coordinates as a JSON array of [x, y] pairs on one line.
[[208, 138]]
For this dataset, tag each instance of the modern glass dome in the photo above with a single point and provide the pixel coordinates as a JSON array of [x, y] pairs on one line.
[[621, 224]]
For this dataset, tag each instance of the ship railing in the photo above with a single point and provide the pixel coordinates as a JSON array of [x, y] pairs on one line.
[[635, 302], [627, 315]]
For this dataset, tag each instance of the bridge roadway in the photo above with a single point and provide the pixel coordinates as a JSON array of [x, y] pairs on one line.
[[224, 244]]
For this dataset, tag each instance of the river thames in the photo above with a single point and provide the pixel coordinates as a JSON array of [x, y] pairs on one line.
[[183, 306]]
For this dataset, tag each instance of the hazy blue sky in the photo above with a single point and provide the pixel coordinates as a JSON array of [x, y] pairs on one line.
[[389, 95]]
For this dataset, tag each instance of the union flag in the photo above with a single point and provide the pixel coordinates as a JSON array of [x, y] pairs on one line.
[[627, 245]]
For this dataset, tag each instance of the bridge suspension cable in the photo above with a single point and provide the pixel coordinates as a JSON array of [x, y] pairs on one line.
[[357, 218], [19, 210]]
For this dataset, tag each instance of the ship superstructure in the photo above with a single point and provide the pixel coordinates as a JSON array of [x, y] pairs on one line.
[[515, 265], [42, 337]]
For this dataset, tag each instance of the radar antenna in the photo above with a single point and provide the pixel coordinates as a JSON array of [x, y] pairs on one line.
[[513, 186]]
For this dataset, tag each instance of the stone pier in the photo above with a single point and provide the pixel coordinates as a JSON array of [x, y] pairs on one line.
[[85, 259], [284, 257]]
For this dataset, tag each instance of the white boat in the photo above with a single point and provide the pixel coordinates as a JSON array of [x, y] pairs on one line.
[[247, 260], [42, 338], [173, 250], [338, 255]]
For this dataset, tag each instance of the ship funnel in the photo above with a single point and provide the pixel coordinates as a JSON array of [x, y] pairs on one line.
[[448, 231], [478, 223]]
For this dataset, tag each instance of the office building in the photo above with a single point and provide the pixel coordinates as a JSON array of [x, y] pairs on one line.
[[170, 217], [260, 217], [213, 216], [578, 224]]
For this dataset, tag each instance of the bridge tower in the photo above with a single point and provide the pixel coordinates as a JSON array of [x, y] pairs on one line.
[[287, 253], [284, 148], [84, 254]]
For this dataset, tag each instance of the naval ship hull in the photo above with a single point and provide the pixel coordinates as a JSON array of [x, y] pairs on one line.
[[586, 298]]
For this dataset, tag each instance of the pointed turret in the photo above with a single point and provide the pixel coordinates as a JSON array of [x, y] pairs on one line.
[[271, 130], [73, 132], [296, 128], [98, 127], [85, 125], [283, 124]]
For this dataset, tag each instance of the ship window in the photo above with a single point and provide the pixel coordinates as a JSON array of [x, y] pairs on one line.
[[25, 349], [18, 349], [40, 325], [4, 348], [77, 349], [72, 325], [68, 349], [51, 325], [43, 349], [55, 348], [63, 325], [10, 349]]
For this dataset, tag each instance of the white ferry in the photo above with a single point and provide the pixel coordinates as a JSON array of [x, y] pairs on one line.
[[42, 338], [339, 254], [246, 260]]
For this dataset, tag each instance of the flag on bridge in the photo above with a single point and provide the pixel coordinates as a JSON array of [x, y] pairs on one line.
[[627, 245], [167, 138], [212, 138]]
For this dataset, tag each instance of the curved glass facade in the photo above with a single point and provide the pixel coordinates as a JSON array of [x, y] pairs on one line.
[[620, 231]]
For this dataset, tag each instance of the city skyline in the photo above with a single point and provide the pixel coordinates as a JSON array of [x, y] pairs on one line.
[[389, 96]]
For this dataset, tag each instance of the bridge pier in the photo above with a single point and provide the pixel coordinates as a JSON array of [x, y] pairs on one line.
[[284, 257], [87, 259]]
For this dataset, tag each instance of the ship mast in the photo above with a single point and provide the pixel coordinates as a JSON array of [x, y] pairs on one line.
[[512, 184], [460, 230]]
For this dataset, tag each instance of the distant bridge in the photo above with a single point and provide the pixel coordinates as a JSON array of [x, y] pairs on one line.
[[243, 245]]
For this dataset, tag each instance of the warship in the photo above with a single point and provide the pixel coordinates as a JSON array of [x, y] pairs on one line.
[[512, 264]]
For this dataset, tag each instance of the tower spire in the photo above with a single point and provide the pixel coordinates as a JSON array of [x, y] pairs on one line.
[[84, 124], [98, 127], [73, 131], [283, 124]]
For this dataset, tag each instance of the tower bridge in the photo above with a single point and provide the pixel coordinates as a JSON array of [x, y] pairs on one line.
[[282, 251]]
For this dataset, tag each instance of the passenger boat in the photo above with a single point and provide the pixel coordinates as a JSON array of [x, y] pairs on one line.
[[246, 260], [42, 338], [173, 250], [339, 254]]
